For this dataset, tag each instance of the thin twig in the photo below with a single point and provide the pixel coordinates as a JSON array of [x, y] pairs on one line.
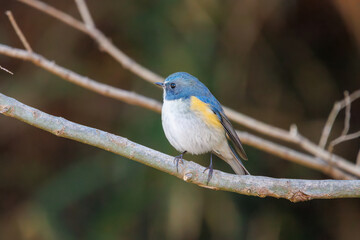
[[294, 190], [139, 100], [329, 124], [333, 114], [18, 31], [344, 137], [341, 139], [347, 114], [358, 159], [85, 13], [149, 76], [4, 69]]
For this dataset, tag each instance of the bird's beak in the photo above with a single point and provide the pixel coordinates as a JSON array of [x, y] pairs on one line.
[[160, 84]]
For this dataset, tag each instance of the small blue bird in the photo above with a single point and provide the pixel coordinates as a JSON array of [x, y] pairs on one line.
[[194, 122]]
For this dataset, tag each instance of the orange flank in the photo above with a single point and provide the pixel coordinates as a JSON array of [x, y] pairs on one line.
[[205, 112]]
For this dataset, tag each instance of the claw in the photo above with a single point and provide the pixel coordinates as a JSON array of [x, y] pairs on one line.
[[178, 159], [211, 170]]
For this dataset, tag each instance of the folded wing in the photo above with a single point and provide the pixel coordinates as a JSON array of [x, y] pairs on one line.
[[231, 133]]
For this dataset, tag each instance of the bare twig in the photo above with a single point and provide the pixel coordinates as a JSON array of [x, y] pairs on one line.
[[341, 139], [329, 124], [347, 114], [344, 134], [4, 69], [103, 89], [18, 31], [85, 14], [139, 100], [358, 159], [333, 114], [294, 190], [293, 130], [100, 38]]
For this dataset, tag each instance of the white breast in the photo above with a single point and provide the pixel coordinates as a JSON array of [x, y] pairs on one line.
[[186, 131]]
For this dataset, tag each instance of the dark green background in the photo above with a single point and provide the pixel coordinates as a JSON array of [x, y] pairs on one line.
[[279, 61]]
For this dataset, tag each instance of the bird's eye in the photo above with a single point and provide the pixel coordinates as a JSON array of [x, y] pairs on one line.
[[172, 85]]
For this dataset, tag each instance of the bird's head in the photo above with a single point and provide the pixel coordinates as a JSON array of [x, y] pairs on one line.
[[182, 85]]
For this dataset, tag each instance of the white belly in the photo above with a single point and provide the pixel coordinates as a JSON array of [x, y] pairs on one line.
[[186, 131]]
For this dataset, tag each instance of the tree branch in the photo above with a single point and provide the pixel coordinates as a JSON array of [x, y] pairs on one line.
[[85, 82], [343, 138], [333, 114], [100, 38], [149, 76], [85, 14], [344, 134], [347, 114], [139, 100], [4, 69], [291, 189], [293, 156], [18, 31]]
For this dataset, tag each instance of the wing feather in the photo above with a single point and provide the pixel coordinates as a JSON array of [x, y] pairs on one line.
[[231, 133]]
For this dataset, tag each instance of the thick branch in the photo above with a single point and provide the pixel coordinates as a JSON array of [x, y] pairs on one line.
[[291, 189], [150, 76], [139, 100]]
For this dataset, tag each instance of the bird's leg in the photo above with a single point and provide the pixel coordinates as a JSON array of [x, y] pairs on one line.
[[178, 159], [210, 168]]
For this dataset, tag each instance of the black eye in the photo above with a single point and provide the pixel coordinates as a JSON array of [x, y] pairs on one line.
[[172, 85]]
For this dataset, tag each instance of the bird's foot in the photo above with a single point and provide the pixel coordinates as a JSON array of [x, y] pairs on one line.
[[211, 170], [178, 159]]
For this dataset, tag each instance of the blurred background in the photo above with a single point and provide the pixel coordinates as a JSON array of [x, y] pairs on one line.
[[279, 61]]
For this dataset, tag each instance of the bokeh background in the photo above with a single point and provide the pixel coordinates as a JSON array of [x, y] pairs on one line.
[[279, 61]]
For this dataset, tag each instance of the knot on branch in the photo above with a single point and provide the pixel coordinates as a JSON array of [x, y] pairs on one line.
[[59, 132], [5, 109], [299, 196], [35, 114], [263, 192], [188, 176]]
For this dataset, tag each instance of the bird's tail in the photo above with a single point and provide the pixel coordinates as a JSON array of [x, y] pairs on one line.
[[237, 166], [234, 161]]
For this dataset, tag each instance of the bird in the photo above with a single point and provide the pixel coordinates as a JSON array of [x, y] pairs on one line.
[[194, 122]]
